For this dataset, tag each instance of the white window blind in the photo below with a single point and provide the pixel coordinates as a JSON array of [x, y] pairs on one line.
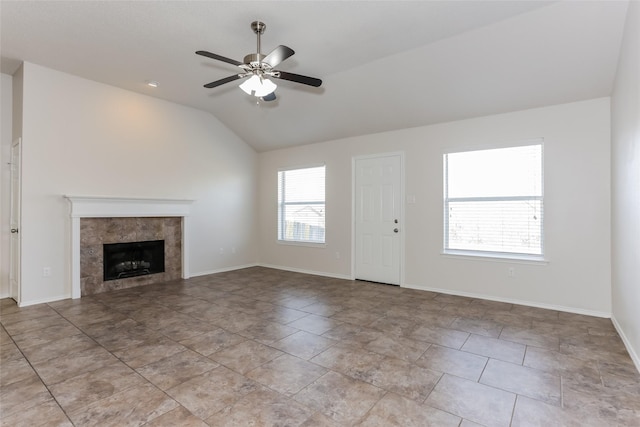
[[301, 205], [493, 201]]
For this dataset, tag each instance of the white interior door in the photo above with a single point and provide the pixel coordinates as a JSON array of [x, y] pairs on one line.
[[378, 218], [14, 221]]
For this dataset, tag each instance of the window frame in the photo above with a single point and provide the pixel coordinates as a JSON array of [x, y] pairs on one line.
[[281, 203], [494, 255]]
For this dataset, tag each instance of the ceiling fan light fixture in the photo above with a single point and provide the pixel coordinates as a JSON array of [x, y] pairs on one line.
[[258, 86]]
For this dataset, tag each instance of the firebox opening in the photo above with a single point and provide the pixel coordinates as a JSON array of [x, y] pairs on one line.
[[122, 260]]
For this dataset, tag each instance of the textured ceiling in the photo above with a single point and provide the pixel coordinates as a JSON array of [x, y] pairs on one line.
[[385, 65]]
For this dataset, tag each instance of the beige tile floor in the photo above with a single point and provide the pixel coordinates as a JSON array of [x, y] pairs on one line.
[[265, 347]]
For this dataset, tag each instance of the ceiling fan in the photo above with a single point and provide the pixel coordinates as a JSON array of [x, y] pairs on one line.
[[258, 67]]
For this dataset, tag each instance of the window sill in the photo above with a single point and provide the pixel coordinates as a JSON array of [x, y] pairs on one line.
[[296, 243], [496, 257]]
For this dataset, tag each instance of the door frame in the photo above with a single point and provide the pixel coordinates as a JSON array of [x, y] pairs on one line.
[[402, 227], [15, 259]]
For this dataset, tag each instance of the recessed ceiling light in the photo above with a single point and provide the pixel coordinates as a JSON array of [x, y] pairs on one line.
[[152, 83]]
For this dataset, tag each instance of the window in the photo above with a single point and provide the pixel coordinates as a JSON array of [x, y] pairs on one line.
[[493, 202], [301, 206]]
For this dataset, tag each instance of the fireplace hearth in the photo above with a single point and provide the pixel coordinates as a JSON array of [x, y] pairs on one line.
[[123, 260]]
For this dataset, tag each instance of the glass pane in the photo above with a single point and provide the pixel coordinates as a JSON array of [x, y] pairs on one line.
[[301, 204], [504, 172], [303, 223], [496, 226]]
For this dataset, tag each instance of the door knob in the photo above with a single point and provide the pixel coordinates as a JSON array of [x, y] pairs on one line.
[[14, 230], [395, 230]]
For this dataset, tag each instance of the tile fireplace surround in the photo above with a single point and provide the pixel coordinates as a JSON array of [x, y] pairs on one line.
[[135, 218], [95, 232]]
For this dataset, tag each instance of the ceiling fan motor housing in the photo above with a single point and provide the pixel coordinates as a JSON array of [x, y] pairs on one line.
[[254, 58]]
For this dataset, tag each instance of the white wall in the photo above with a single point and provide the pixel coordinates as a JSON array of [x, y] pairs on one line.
[[85, 138], [625, 166], [6, 124], [576, 136]]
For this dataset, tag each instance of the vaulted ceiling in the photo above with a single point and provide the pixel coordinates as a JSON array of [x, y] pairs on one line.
[[385, 64]]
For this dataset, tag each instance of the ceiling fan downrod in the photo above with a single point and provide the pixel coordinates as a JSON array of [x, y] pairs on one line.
[[258, 28]]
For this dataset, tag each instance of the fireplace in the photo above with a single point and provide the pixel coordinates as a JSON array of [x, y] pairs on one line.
[[119, 253], [122, 260], [96, 220]]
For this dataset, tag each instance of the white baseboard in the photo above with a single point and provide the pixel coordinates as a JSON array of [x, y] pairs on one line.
[[632, 352], [512, 301], [301, 270], [44, 300], [222, 270]]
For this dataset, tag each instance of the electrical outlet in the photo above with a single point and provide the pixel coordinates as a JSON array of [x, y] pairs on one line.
[[337, 255], [511, 272], [46, 272]]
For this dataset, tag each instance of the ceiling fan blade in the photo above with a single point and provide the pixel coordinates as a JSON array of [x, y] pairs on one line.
[[305, 80], [270, 97], [278, 55], [223, 81], [218, 57]]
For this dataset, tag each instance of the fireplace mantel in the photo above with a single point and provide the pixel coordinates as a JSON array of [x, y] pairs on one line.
[[106, 207], [109, 207]]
